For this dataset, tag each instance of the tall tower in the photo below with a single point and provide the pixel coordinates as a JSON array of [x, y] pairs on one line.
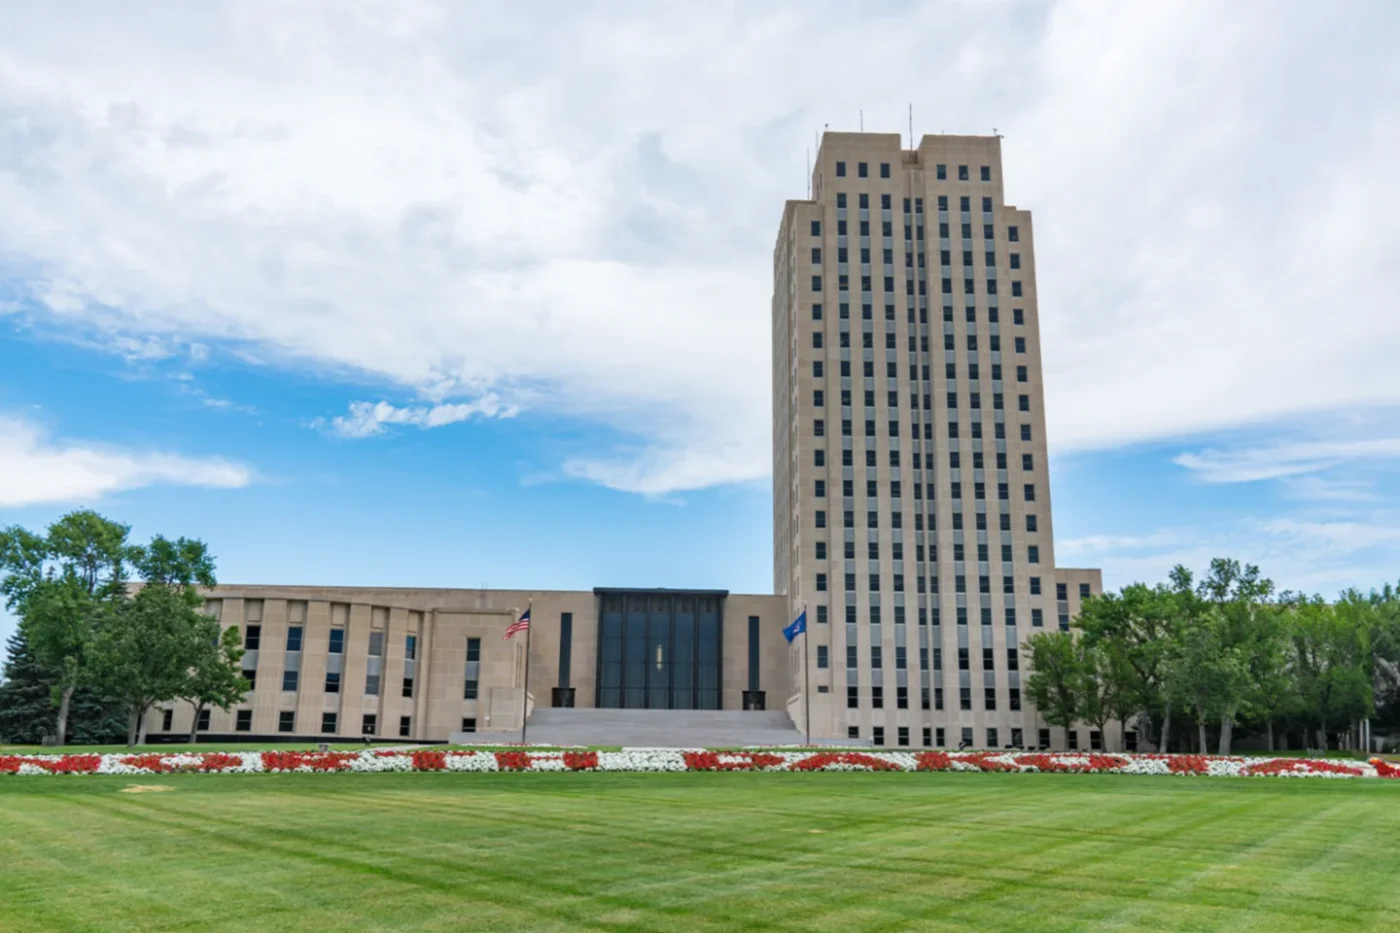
[[911, 489]]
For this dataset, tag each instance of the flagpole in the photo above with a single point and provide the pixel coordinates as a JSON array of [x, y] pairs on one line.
[[806, 677], [525, 697]]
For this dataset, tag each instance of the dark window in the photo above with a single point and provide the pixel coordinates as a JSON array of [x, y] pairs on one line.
[[1013, 234], [816, 228], [962, 173], [823, 657], [885, 173], [286, 720], [986, 173], [840, 173], [243, 720], [289, 680], [332, 681], [337, 642], [294, 638], [252, 638], [863, 170], [405, 726], [469, 724], [328, 722]]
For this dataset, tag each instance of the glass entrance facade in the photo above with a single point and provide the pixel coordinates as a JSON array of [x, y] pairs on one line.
[[659, 649]]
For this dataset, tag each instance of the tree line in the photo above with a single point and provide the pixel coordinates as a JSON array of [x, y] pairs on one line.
[[108, 629], [1184, 659]]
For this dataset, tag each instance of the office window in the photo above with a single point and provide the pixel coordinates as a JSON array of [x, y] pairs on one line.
[[252, 637], [840, 173], [988, 660], [938, 698], [1030, 492], [816, 228], [992, 738], [1013, 234], [853, 732], [823, 657], [1043, 738], [328, 722], [884, 170], [989, 698], [986, 173], [821, 583], [816, 255], [405, 726], [332, 681], [821, 615], [371, 685], [901, 697], [202, 723], [852, 697], [877, 697], [816, 283], [986, 207], [1031, 524], [289, 680], [1025, 432], [1033, 554], [1084, 591], [408, 686], [902, 734], [1072, 739], [965, 698], [962, 173], [294, 638], [243, 720], [927, 736], [878, 735], [251, 679], [1014, 698], [1037, 618], [286, 721], [941, 172], [863, 170], [167, 720], [469, 724], [337, 642], [473, 669], [368, 724]]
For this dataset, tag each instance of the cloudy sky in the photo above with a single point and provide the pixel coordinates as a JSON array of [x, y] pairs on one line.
[[449, 294]]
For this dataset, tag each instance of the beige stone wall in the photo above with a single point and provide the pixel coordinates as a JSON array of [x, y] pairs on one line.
[[443, 620]]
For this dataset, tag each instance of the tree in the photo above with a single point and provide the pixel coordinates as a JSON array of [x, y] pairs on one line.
[[26, 704], [1210, 675], [1238, 625], [1054, 683], [1100, 686], [61, 586], [145, 653], [1137, 627], [215, 678]]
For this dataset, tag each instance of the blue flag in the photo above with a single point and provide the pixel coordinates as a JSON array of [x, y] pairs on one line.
[[798, 626]]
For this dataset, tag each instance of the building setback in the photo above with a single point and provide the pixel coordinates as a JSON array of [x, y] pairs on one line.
[[911, 516]]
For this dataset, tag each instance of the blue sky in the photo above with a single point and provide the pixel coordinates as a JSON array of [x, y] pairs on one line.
[[428, 294]]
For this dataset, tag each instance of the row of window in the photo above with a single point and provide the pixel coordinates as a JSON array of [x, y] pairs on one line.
[[914, 232], [934, 737], [866, 285], [940, 171], [932, 698], [985, 616], [993, 315], [901, 658], [286, 722], [291, 682], [911, 260], [252, 641]]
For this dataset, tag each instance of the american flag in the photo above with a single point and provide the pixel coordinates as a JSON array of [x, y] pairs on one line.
[[519, 625]]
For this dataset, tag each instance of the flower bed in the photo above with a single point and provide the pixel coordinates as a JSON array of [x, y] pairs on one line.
[[657, 759]]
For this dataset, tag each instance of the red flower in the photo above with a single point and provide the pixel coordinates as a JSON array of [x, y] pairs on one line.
[[581, 761], [429, 761]]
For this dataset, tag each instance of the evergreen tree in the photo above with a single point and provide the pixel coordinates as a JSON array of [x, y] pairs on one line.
[[27, 704]]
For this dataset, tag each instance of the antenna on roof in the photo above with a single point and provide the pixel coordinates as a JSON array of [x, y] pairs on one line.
[[862, 121], [911, 126], [809, 174]]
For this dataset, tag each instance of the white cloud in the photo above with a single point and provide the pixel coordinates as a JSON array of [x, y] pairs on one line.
[[576, 211], [35, 469], [367, 419], [1297, 553], [1284, 460]]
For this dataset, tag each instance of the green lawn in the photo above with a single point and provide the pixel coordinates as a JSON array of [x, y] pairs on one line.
[[683, 852]]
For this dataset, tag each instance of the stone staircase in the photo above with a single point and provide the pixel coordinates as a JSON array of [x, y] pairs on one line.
[[657, 728]]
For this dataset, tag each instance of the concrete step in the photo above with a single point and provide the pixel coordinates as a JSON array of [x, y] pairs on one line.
[[637, 728]]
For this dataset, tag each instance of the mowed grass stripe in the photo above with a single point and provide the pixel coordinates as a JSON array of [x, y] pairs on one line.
[[697, 852]]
